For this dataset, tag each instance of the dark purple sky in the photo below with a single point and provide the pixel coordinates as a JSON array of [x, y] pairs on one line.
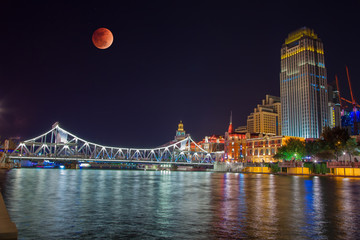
[[170, 61]]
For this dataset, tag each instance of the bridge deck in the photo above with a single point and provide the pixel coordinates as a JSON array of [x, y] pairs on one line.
[[53, 159]]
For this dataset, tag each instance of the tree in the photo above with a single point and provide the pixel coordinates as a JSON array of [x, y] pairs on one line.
[[335, 136], [293, 149], [325, 154], [312, 148], [335, 139], [351, 148], [282, 154]]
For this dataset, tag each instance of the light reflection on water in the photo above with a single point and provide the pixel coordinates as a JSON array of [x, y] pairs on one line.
[[86, 204]]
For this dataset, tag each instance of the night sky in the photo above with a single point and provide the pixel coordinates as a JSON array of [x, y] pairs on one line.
[[170, 61]]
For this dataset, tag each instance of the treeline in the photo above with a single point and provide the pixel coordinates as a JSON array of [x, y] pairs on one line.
[[316, 168], [333, 143]]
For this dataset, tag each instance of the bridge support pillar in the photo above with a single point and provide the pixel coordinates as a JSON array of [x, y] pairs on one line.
[[220, 167], [228, 167]]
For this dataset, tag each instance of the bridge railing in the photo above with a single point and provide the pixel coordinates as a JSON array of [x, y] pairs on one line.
[[101, 158], [343, 164], [291, 164]]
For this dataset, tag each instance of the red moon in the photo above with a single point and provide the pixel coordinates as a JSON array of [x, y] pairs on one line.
[[102, 38]]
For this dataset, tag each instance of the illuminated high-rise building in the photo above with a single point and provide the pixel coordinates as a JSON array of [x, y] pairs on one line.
[[303, 85]]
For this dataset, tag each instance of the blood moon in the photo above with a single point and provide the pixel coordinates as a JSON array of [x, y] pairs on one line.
[[102, 38]]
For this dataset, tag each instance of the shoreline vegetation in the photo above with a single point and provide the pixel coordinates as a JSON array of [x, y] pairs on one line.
[[335, 144]]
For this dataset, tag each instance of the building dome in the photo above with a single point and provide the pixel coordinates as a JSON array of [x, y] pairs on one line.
[[180, 126]]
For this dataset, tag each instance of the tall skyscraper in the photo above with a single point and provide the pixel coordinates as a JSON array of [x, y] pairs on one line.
[[303, 85]]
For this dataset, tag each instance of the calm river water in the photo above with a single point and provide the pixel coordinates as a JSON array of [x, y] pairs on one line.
[[114, 204]]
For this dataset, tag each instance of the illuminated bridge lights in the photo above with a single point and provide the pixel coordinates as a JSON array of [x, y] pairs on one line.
[[70, 147]]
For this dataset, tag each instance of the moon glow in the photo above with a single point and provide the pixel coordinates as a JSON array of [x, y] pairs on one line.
[[102, 38]]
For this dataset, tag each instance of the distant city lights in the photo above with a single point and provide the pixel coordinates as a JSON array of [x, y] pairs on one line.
[[85, 165]]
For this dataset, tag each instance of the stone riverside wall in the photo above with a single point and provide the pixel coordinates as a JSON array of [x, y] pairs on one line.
[[8, 229], [228, 167]]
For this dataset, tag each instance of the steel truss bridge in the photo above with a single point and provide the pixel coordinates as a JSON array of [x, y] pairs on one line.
[[61, 145]]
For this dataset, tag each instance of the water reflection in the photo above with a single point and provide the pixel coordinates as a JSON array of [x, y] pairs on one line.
[[282, 207], [86, 204]]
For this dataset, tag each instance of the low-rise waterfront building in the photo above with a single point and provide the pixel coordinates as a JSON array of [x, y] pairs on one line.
[[214, 143], [264, 147]]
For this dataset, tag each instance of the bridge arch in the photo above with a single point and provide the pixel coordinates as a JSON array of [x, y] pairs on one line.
[[58, 143]]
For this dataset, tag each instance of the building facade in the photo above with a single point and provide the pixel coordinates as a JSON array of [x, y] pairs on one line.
[[264, 147], [266, 118], [241, 129], [334, 107], [214, 143], [303, 85], [234, 145]]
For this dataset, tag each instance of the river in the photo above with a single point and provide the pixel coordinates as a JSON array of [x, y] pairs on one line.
[[120, 204]]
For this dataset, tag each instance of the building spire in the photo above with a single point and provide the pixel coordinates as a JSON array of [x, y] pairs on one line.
[[230, 130]]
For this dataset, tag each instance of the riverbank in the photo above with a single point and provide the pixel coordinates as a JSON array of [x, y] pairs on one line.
[[317, 175], [8, 229], [327, 169]]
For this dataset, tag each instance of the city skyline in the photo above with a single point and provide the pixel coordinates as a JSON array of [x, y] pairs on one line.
[[162, 67]]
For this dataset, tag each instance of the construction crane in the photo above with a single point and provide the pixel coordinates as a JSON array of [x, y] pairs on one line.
[[352, 102], [356, 105], [351, 92]]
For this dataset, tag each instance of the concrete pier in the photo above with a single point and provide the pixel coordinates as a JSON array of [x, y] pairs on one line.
[[228, 167], [8, 229]]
